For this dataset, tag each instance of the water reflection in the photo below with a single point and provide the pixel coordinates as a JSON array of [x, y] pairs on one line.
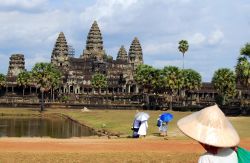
[[55, 127]]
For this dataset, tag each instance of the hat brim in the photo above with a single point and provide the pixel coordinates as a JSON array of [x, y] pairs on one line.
[[221, 136]]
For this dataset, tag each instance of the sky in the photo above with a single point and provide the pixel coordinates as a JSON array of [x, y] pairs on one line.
[[215, 30]]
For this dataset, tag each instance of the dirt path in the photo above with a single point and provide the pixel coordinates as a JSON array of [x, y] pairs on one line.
[[101, 145]]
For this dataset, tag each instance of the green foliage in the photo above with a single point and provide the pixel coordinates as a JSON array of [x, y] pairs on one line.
[[45, 76], [99, 81], [245, 50], [243, 71], [183, 46], [224, 81], [2, 80], [173, 79], [192, 80], [23, 78], [146, 76], [65, 98]]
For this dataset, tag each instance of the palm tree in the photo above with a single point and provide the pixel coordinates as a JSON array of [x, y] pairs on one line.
[[99, 81], [245, 51], [192, 80], [23, 79], [224, 81], [2, 81], [183, 48], [243, 71], [44, 77], [173, 81], [144, 76]]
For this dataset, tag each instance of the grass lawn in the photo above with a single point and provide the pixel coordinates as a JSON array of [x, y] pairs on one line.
[[120, 121]]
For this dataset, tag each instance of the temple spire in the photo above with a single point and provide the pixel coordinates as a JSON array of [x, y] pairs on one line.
[[60, 52], [94, 40], [135, 53], [122, 54], [94, 44]]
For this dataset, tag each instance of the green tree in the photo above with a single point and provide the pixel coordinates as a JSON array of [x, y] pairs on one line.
[[23, 79], [99, 81], [192, 80], [243, 71], [224, 81], [245, 51], [144, 77], [183, 48], [2, 81], [44, 77], [173, 81]]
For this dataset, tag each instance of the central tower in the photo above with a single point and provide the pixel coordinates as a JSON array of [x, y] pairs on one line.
[[94, 44]]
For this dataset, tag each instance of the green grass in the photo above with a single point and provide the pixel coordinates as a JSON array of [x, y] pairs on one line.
[[120, 121]]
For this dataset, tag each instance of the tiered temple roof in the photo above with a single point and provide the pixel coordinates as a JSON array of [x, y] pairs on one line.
[[16, 65], [94, 39], [122, 54], [60, 52], [135, 53]]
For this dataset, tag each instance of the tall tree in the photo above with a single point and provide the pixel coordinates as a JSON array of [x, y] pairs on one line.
[[99, 81], [173, 81], [2, 81], [144, 77], [245, 51], [243, 71], [192, 80], [23, 79], [183, 48], [44, 76], [224, 81]]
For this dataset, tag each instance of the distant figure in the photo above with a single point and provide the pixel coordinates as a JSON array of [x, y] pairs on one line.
[[163, 128], [135, 128], [214, 132], [143, 129]]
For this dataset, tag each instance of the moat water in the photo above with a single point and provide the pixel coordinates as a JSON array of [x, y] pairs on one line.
[[54, 127]]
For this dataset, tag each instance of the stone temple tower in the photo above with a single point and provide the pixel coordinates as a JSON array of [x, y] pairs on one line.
[[135, 53], [16, 65], [94, 44], [122, 54], [60, 53]]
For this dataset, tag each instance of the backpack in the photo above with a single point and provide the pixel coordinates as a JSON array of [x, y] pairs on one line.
[[243, 155], [159, 122]]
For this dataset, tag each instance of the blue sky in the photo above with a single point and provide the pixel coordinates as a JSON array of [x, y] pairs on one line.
[[215, 30]]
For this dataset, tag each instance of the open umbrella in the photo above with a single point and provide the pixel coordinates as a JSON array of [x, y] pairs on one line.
[[142, 116], [166, 117]]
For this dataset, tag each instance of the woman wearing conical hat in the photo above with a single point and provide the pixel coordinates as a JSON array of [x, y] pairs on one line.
[[214, 132]]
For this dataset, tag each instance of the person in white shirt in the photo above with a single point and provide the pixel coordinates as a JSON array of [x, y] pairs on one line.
[[143, 128], [214, 132]]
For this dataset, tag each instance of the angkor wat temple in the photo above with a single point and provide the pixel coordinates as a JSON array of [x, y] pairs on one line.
[[122, 91]]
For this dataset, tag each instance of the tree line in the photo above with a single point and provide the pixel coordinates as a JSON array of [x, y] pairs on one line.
[[169, 80]]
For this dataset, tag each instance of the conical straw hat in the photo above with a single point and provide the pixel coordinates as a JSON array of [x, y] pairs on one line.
[[209, 126]]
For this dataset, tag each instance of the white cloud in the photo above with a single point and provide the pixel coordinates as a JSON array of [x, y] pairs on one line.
[[21, 4], [197, 39], [153, 48], [216, 37], [30, 61]]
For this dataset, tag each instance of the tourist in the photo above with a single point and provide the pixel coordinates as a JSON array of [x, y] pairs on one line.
[[143, 129], [163, 129], [214, 132], [135, 128]]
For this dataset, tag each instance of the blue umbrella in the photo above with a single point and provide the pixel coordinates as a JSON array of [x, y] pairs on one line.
[[166, 117]]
